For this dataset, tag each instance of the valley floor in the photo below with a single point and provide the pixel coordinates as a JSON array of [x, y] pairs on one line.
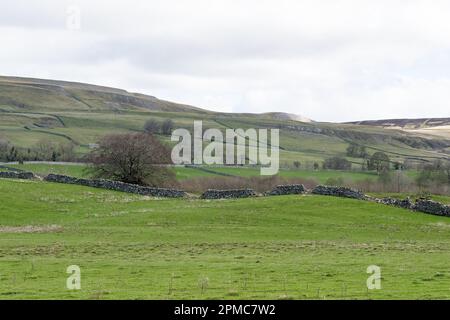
[[289, 247]]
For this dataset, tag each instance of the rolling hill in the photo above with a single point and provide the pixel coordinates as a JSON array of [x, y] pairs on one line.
[[34, 109]]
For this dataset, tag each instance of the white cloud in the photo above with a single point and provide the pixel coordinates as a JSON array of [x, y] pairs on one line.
[[331, 60]]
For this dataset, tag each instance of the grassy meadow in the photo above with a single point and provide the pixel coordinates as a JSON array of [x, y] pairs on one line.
[[288, 247], [137, 247]]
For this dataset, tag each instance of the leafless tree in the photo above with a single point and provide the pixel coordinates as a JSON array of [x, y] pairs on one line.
[[137, 158], [66, 151], [46, 150], [4, 147]]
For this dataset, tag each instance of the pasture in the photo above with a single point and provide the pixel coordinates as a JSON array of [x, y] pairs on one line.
[[287, 247]]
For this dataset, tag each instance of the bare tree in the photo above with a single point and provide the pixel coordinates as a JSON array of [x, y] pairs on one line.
[[46, 150], [66, 151], [133, 158], [152, 126], [4, 147]]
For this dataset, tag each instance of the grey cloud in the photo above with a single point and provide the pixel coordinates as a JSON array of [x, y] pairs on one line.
[[325, 59]]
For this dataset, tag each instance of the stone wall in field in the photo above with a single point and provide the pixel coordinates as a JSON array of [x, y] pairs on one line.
[[432, 207], [17, 175], [228, 194], [339, 192], [421, 205], [117, 186], [405, 203], [287, 189]]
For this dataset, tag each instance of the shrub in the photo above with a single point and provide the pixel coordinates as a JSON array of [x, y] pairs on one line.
[[152, 126], [337, 163], [167, 127]]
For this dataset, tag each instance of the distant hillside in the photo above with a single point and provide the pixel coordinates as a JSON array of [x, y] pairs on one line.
[[28, 94], [32, 110], [287, 116], [406, 123], [439, 127]]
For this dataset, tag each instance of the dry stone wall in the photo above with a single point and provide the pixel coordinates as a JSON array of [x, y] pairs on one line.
[[117, 186], [287, 189], [339, 192], [432, 207], [405, 203], [228, 194], [421, 205], [17, 175]]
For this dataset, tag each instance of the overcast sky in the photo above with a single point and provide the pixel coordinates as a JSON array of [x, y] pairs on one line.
[[330, 60]]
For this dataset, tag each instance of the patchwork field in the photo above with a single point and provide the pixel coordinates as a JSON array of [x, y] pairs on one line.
[[290, 247], [35, 110]]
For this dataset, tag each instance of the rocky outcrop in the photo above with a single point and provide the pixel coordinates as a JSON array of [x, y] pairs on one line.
[[117, 186], [228, 194], [287, 189], [339, 192], [432, 207], [17, 175]]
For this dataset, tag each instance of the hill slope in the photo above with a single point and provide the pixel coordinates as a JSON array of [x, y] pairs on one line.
[[35, 109], [38, 95], [406, 123]]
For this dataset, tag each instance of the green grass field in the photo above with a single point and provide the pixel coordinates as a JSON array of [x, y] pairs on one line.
[[320, 175], [78, 171], [290, 247]]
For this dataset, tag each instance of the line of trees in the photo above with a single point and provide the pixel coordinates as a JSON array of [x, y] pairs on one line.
[[156, 127], [357, 151], [435, 173], [379, 162], [337, 163], [44, 150]]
